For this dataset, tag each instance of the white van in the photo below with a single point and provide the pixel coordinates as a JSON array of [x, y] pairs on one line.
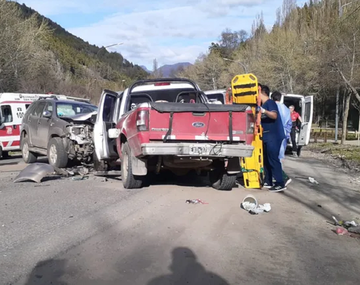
[[216, 96], [12, 109], [304, 105]]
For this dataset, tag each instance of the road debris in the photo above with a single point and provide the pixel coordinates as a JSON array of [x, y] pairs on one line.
[[345, 224], [34, 172], [195, 201], [79, 178], [349, 228], [251, 205], [313, 181]]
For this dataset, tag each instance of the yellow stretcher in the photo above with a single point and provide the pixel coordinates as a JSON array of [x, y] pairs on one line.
[[245, 90]]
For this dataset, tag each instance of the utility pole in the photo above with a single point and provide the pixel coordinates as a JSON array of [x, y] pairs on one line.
[[237, 61], [214, 83]]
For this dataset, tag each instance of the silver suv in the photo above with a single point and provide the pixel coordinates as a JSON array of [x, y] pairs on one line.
[[60, 129]]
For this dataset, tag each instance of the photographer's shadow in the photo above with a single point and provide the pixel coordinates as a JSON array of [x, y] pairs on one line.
[[187, 270]]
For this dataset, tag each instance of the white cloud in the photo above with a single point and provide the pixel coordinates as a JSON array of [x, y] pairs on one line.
[[170, 31]]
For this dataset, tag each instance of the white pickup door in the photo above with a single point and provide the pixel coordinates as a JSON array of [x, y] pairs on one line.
[[106, 120]]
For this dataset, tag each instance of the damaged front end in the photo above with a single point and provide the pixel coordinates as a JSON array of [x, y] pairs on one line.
[[79, 142]]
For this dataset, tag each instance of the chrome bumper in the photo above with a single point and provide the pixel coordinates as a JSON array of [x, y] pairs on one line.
[[197, 149]]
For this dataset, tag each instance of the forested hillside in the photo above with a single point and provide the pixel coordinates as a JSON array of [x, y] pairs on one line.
[[38, 55], [314, 49]]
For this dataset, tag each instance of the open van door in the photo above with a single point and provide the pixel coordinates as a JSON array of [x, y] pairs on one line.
[[307, 118], [105, 125]]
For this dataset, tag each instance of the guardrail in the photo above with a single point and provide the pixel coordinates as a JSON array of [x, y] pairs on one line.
[[328, 133]]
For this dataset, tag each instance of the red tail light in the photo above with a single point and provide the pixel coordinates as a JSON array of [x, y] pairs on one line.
[[142, 120], [250, 123], [162, 84]]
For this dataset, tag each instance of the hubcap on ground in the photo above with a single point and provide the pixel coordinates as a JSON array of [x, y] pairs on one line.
[[53, 154]]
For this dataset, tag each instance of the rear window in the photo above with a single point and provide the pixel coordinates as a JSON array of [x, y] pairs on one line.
[[183, 95]]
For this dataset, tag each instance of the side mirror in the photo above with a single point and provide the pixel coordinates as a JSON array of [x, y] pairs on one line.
[[47, 114]]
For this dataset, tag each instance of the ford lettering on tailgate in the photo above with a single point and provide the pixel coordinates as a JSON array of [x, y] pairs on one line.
[[198, 125]]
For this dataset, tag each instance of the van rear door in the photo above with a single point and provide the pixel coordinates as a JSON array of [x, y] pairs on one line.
[[307, 118]]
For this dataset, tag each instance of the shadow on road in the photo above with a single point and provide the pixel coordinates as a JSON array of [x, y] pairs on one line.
[[185, 269], [47, 272]]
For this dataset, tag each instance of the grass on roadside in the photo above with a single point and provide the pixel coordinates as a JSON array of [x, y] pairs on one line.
[[348, 152]]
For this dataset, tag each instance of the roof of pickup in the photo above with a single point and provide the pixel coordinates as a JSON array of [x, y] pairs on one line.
[[148, 87]]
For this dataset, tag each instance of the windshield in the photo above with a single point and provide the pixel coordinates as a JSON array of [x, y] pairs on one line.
[[73, 109]]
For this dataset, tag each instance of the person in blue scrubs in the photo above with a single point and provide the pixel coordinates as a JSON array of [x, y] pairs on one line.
[[273, 136]]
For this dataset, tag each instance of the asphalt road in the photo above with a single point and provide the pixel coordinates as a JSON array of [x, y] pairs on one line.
[[94, 232]]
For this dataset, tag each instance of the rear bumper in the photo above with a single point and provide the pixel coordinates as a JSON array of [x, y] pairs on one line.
[[197, 149]]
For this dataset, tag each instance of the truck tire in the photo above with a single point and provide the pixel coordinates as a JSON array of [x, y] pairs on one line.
[[5, 155], [27, 155], [221, 180], [56, 153], [129, 180]]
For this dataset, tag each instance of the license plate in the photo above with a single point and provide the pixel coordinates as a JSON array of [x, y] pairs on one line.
[[198, 150]]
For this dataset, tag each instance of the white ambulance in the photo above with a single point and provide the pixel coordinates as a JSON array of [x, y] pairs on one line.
[[12, 109]]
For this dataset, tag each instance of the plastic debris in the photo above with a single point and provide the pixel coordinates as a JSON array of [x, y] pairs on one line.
[[345, 224], [195, 201], [342, 231], [251, 205], [79, 178], [34, 172], [313, 181]]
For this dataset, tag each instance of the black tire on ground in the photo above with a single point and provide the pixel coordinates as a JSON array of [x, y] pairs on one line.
[[27, 155], [5, 154], [221, 180], [129, 180], [298, 152], [56, 153]]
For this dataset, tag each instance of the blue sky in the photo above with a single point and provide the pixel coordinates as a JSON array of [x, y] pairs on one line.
[[169, 30]]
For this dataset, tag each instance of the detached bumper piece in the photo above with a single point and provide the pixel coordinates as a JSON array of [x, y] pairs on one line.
[[197, 149]]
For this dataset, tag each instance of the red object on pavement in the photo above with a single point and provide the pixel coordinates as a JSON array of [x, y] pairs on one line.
[[342, 231]]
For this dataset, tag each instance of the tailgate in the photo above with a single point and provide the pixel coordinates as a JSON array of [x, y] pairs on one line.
[[193, 122]]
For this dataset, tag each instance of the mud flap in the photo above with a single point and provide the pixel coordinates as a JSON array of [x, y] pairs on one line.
[[138, 166], [233, 166]]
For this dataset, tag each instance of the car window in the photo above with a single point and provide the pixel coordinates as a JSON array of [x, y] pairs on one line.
[[49, 107], [73, 109], [37, 110], [109, 108], [6, 114]]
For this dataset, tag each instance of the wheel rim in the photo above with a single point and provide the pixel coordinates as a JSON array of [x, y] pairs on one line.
[[25, 151], [53, 154], [125, 167]]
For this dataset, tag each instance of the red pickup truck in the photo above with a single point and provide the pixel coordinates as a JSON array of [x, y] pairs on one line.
[[170, 124]]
